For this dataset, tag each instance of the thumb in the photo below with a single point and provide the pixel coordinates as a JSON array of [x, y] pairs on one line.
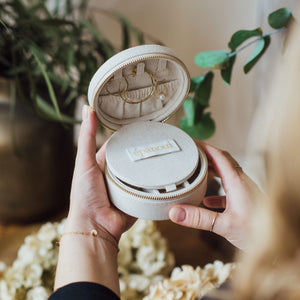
[[195, 217], [86, 153]]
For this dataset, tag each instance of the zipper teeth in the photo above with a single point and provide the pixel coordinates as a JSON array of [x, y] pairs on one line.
[[148, 196]]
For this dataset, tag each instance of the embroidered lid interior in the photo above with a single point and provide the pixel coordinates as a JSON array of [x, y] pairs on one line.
[[163, 171], [139, 84]]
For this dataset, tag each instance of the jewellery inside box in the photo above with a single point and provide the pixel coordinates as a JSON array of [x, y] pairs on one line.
[[150, 165]]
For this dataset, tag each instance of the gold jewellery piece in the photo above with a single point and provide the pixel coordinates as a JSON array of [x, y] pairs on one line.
[[153, 91], [93, 233], [118, 94], [163, 94]]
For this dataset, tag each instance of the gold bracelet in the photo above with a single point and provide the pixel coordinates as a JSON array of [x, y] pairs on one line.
[[93, 233]]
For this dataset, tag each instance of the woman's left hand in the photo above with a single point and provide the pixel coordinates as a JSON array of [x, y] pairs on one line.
[[90, 206]]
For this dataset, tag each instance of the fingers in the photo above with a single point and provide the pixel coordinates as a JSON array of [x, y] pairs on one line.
[[215, 202], [224, 164], [195, 217], [86, 153], [100, 157]]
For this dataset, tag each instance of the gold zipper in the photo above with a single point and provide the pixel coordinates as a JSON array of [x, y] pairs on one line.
[[155, 197]]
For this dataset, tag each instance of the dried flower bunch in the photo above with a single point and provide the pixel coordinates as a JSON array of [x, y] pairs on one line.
[[144, 265], [187, 283], [144, 259]]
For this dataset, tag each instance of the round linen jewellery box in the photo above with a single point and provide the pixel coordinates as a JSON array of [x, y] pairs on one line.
[[150, 165]]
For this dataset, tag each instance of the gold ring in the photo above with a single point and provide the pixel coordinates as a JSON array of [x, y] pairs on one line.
[[213, 222], [117, 94], [153, 89]]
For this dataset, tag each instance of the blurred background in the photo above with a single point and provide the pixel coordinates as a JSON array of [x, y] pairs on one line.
[[192, 26], [188, 27]]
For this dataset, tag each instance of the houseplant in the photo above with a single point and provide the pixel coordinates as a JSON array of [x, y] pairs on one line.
[[48, 52]]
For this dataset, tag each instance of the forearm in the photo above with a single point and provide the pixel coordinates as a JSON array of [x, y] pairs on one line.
[[87, 258]]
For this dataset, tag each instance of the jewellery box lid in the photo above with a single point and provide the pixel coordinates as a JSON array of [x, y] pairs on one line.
[[142, 83], [152, 155]]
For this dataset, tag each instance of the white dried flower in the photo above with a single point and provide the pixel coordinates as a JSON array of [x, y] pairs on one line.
[[187, 283], [2, 268], [144, 259], [37, 256], [38, 293], [4, 292]]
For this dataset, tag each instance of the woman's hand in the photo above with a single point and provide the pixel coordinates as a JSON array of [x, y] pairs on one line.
[[234, 223], [90, 206]]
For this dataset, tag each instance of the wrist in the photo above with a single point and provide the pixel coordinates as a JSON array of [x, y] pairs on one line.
[[106, 218], [95, 258], [83, 225]]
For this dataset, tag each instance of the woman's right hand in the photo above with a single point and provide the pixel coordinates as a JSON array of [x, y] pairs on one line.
[[234, 222]]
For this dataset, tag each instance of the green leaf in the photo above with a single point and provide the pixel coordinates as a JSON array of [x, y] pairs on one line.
[[47, 80], [140, 37], [35, 50], [195, 81], [280, 18], [226, 73], [241, 36], [203, 90], [259, 50], [96, 34], [202, 130], [126, 32], [47, 111], [189, 109], [212, 59], [3, 24], [128, 29]]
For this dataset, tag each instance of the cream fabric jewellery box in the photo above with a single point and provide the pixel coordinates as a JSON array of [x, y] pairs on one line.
[[150, 165]]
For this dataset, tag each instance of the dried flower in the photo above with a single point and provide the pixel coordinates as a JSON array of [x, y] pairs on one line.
[[144, 261], [187, 283]]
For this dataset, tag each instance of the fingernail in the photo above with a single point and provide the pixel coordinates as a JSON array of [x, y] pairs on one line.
[[85, 112], [177, 214]]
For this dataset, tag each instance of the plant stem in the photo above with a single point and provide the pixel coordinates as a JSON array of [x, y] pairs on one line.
[[256, 40], [112, 15]]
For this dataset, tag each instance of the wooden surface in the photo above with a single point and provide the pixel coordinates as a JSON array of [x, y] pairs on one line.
[[190, 246]]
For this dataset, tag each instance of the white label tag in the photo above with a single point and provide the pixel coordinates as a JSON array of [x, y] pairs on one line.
[[159, 148]]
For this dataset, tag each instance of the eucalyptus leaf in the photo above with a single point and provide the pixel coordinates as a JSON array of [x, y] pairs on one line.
[[257, 53], [195, 81], [227, 72], [241, 36], [202, 130], [203, 90], [212, 59], [189, 109], [280, 18]]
